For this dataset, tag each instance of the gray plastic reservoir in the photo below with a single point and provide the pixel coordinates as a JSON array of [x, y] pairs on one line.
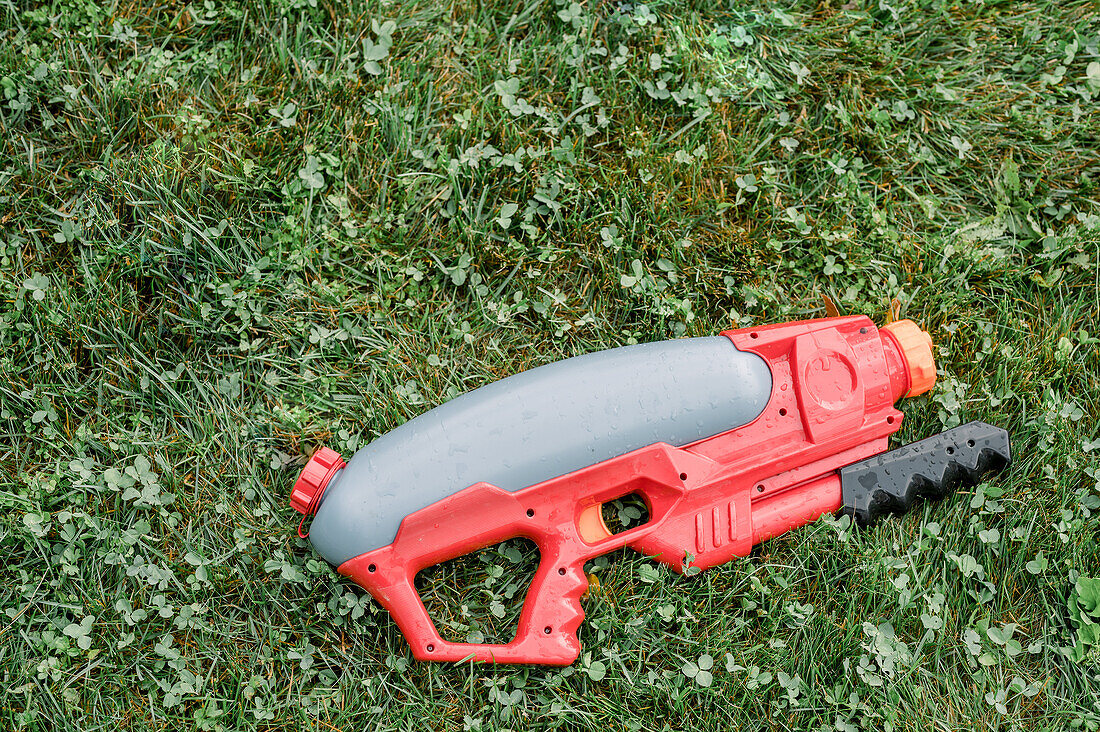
[[537, 425]]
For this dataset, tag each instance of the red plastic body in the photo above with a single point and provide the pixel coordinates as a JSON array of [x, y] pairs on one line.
[[834, 383]]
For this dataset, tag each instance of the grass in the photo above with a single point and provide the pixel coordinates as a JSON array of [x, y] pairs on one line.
[[233, 230]]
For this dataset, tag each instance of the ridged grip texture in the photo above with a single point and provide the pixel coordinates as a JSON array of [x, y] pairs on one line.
[[930, 468]]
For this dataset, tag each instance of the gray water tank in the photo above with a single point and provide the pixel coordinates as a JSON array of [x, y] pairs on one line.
[[537, 425]]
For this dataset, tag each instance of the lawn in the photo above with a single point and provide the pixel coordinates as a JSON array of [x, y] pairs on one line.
[[234, 230]]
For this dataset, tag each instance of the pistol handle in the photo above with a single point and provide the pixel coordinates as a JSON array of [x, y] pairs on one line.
[[547, 631], [552, 516]]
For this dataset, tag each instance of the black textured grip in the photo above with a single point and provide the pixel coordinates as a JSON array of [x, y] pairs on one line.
[[930, 468]]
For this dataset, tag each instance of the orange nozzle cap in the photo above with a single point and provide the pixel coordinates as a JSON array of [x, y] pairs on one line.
[[916, 349]]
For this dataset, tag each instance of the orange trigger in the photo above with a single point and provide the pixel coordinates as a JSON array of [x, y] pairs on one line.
[[590, 525]]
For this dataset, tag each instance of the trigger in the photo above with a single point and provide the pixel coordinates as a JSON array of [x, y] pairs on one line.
[[590, 525]]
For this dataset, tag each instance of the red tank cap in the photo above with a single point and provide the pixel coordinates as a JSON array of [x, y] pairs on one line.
[[315, 476]]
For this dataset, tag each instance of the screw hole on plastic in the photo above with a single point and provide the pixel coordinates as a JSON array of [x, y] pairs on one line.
[[683, 476], [372, 568], [530, 512], [889, 420], [782, 412], [561, 570], [759, 489], [950, 451], [754, 335], [862, 331], [430, 648], [547, 630], [970, 443]]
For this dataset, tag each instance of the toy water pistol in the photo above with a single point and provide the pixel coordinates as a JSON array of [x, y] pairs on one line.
[[729, 440]]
